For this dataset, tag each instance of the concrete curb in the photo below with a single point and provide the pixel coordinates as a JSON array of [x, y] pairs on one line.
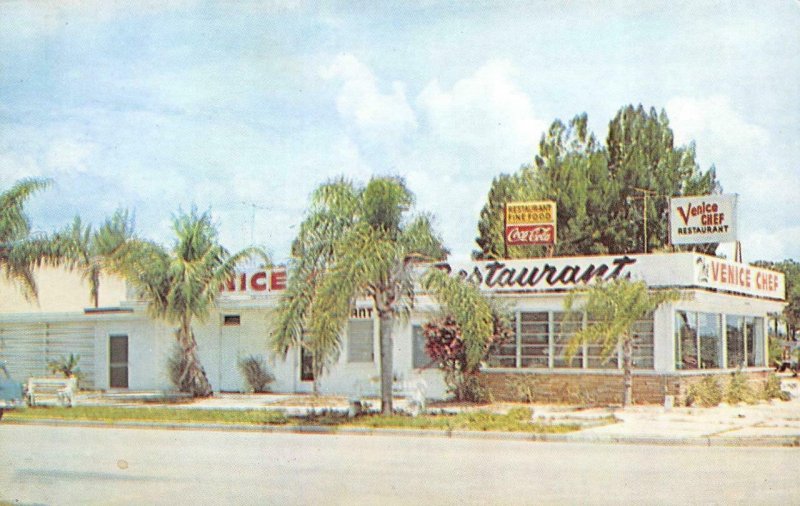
[[574, 437]]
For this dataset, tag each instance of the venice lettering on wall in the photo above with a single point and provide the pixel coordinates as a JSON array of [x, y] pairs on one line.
[[259, 281], [542, 274]]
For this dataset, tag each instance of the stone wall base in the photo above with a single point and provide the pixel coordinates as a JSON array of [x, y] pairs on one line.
[[601, 388]]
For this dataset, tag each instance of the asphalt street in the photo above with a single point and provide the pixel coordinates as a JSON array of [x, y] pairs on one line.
[[81, 465]]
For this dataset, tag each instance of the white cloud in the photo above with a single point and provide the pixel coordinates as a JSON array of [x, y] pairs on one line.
[[485, 110], [713, 119], [68, 156], [377, 115]]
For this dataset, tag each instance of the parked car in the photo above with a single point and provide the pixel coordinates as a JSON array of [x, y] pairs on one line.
[[10, 391]]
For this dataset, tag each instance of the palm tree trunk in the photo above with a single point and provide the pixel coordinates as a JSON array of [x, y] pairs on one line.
[[387, 367], [627, 371], [193, 378]]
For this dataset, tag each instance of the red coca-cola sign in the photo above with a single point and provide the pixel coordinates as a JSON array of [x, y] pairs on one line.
[[523, 235]]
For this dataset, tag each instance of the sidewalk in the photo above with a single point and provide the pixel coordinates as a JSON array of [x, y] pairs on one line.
[[774, 423]]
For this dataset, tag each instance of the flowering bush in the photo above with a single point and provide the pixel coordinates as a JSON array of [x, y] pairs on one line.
[[445, 345]]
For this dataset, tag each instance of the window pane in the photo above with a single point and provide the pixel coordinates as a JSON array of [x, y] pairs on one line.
[[643, 343], [755, 341], [420, 358], [360, 342], [734, 327], [563, 330], [594, 353], [685, 340], [708, 329], [534, 339]]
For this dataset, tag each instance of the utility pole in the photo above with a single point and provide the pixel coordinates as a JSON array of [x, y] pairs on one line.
[[253, 207]]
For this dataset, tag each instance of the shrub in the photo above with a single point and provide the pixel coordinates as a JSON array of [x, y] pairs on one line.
[[255, 373], [772, 389], [523, 387], [68, 366], [706, 393], [739, 390], [445, 345]]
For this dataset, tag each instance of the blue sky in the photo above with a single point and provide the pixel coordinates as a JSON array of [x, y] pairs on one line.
[[246, 107]]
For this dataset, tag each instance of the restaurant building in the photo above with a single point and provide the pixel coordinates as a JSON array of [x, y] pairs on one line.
[[720, 325]]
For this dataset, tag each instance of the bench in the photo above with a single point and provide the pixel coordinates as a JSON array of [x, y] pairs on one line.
[[52, 391]]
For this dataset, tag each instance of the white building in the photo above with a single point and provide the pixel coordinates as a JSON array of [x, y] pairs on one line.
[[719, 326]]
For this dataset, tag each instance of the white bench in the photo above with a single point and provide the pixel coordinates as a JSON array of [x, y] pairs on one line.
[[52, 391]]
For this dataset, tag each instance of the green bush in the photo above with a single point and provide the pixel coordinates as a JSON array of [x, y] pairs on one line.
[[772, 389], [255, 373], [739, 390], [68, 366], [523, 387], [706, 393]]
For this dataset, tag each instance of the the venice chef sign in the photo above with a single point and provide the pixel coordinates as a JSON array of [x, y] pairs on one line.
[[708, 218]]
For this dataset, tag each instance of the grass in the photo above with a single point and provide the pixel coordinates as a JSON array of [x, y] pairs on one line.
[[514, 421]]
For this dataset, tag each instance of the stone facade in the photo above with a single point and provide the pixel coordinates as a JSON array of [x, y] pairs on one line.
[[600, 388]]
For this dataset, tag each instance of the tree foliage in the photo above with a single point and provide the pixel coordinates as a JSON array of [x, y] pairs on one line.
[[599, 189], [92, 251], [791, 270], [614, 306], [19, 251], [182, 283], [356, 241]]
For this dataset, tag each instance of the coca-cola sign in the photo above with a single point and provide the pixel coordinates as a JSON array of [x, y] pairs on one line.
[[530, 234], [530, 223]]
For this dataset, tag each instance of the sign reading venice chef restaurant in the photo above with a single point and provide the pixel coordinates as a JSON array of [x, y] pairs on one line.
[[702, 219], [530, 223]]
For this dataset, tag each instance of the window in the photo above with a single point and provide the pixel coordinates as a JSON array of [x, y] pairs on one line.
[[594, 353], [564, 327], [532, 340], [542, 338], [686, 340], [754, 341], [643, 343], [360, 346], [710, 337], [420, 356], [734, 329], [231, 319]]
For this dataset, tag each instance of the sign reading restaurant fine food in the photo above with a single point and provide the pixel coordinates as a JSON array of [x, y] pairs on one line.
[[702, 219], [529, 223]]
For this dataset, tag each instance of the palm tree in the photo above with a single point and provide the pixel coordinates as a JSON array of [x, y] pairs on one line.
[[91, 251], [615, 306], [19, 252], [355, 242], [182, 284]]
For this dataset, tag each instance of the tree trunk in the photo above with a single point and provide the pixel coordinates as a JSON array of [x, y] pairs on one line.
[[627, 372], [387, 367], [193, 377]]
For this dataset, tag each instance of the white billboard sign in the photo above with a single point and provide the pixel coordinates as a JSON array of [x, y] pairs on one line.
[[702, 219]]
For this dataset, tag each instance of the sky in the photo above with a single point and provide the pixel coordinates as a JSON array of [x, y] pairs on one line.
[[244, 108]]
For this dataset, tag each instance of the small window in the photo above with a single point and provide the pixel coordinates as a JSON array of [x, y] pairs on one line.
[[232, 319], [360, 346], [421, 357]]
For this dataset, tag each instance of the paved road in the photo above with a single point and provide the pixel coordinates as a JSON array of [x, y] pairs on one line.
[[76, 465]]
